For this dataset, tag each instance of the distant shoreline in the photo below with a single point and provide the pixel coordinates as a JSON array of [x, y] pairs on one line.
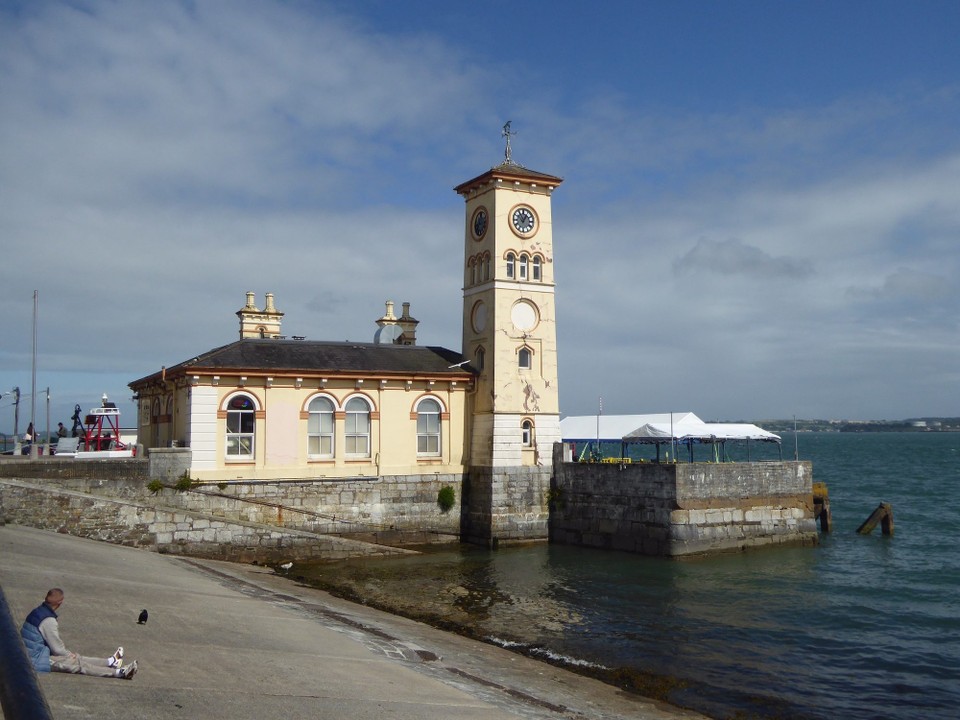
[[918, 425]]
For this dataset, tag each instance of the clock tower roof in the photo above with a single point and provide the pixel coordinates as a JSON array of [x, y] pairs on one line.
[[511, 172]]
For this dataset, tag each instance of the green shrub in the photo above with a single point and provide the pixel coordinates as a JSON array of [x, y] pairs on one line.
[[154, 486], [184, 483], [222, 486], [446, 498]]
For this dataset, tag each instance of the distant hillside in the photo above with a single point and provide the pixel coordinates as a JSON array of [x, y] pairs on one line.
[[928, 424]]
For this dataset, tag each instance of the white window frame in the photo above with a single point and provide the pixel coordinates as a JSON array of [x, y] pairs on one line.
[[240, 443], [511, 259], [429, 427], [315, 430], [522, 269], [525, 353], [526, 433], [536, 270], [357, 427]]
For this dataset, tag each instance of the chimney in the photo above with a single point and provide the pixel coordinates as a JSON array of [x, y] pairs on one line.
[[409, 326], [256, 323]]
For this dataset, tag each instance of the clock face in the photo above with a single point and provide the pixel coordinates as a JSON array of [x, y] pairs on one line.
[[479, 223], [523, 220]]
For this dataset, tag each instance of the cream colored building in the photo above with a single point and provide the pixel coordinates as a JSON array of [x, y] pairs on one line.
[[270, 408]]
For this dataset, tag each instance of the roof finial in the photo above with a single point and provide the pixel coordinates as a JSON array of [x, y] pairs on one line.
[[507, 132]]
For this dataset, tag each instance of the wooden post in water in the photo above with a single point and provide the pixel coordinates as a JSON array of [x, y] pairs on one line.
[[883, 515], [821, 506]]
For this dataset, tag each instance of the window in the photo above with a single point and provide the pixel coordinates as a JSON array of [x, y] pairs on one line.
[[537, 275], [320, 427], [357, 430], [473, 272], [479, 357], [523, 358], [241, 421], [526, 433], [511, 258], [523, 267], [428, 427], [486, 267]]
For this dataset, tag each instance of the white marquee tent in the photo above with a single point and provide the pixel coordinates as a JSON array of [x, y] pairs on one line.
[[662, 428]]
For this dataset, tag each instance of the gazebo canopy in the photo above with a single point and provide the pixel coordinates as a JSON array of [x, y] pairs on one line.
[[614, 428], [657, 428]]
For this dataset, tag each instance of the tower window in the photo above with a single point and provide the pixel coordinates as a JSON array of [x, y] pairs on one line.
[[241, 427], [479, 355], [511, 259], [523, 267], [526, 433], [524, 358], [536, 269]]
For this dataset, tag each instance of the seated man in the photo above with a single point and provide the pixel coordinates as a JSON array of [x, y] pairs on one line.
[[41, 636]]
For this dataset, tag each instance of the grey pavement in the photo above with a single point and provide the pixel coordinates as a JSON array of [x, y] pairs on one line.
[[241, 642]]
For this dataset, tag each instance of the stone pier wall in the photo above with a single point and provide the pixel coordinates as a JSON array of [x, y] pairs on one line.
[[112, 500], [681, 509], [506, 505], [168, 530]]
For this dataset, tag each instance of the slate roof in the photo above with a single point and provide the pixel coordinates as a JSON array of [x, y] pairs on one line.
[[253, 356]]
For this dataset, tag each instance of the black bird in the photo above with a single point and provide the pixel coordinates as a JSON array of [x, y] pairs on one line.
[[142, 620]]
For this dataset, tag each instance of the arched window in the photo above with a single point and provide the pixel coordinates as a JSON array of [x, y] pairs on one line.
[[536, 269], [241, 424], [526, 433], [428, 427], [473, 271], [524, 358], [320, 427], [357, 428], [479, 355], [511, 258], [486, 267], [523, 267]]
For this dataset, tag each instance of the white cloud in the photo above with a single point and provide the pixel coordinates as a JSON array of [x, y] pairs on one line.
[[161, 159]]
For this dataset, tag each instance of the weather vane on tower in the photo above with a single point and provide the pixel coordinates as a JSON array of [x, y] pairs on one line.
[[507, 133]]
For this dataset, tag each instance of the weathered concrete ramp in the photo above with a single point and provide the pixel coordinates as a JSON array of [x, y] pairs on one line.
[[233, 642]]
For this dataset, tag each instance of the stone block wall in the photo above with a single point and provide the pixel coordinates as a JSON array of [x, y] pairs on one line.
[[507, 505], [168, 530], [358, 505], [681, 509], [397, 507]]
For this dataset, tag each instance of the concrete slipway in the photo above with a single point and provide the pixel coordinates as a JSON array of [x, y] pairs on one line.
[[239, 642]]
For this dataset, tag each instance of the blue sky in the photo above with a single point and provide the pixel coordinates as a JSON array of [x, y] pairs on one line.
[[760, 215]]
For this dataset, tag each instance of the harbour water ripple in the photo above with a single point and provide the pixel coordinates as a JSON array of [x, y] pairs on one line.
[[860, 627]]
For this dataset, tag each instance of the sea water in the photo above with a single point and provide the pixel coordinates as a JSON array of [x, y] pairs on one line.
[[862, 626]]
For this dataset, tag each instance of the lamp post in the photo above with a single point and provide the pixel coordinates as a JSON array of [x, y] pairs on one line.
[[16, 412], [46, 450]]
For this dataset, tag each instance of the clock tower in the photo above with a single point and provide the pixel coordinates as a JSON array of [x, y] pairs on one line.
[[509, 334]]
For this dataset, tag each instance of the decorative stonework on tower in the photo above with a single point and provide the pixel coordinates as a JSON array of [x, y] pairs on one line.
[[257, 323], [509, 334]]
